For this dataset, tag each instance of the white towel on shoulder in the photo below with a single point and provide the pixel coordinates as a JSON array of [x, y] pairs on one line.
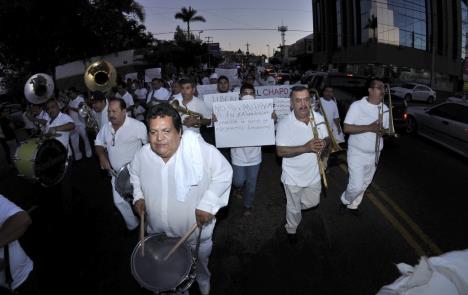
[[188, 164]]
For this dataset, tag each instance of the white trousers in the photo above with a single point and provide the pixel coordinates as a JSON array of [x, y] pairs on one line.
[[203, 273], [297, 199], [80, 131], [125, 208], [361, 169]]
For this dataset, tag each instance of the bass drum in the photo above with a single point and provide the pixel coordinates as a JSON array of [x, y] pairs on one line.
[[150, 270], [43, 161]]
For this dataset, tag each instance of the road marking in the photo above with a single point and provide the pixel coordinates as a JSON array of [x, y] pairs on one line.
[[396, 224], [434, 248]]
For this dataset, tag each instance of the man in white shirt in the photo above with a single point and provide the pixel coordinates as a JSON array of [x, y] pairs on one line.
[[246, 163], [100, 106], [158, 93], [362, 123], [35, 119], [331, 111], [116, 144], [141, 92], [179, 180], [77, 101], [175, 88], [296, 144], [59, 124], [125, 95], [18, 274], [192, 103]]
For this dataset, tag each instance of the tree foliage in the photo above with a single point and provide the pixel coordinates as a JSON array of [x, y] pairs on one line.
[[188, 15]]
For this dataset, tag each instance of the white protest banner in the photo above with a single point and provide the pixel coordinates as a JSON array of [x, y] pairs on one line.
[[206, 89], [152, 73], [209, 99], [282, 106], [244, 123], [272, 91], [132, 76]]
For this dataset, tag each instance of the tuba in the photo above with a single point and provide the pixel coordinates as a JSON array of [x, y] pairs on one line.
[[184, 110], [100, 76], [334, 147], [39, 88]]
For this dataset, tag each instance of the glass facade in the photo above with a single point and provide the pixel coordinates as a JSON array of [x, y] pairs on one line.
[[339, 25], [464, 27], [396, 22]]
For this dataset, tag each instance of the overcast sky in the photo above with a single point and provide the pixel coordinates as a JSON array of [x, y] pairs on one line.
[[232, 15]]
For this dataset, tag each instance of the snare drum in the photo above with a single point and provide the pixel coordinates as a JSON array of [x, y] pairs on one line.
[[176, 274], [43, 161]]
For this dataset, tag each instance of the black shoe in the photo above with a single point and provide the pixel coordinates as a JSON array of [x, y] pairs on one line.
[[292, 238]]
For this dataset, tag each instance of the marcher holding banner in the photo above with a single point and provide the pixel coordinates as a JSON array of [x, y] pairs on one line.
[[296, 144]]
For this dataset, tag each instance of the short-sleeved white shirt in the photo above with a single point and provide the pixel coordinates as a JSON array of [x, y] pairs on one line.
[[160, 94], [20, 264], [127, 97], [195, 105], [122, 144], [62, 119], [331, 111], [301, 170], [103, 116], [141, 93], [362, 112], [246, 156]]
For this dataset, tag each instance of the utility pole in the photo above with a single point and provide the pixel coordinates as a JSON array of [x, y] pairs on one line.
[[247, 45], [268, 47], [283, 29], [208, 38]]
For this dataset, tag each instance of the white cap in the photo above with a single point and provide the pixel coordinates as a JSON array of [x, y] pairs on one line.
[[214, 76]]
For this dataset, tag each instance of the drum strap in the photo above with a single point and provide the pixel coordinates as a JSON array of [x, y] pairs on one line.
[[6, 256], [198, 245]]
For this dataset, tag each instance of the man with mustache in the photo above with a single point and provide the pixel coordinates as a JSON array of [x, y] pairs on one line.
[[296, 144], [116, 144]]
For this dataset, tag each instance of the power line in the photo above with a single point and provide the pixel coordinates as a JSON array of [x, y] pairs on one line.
[[240, 29]]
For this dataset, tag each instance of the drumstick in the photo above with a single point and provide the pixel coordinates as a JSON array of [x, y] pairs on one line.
[[185, 237], [142, 233]]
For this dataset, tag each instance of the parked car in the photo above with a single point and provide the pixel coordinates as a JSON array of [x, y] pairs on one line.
[[458, 97], [413, 91], [445, 123]]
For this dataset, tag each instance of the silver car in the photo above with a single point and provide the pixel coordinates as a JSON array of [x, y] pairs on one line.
[[445, 123], [416, 92]]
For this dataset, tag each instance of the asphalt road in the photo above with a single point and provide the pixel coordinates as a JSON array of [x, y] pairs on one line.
[[416, 206]]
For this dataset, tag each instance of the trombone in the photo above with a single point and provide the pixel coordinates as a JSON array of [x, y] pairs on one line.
[[319, 158], [391, 126], [184, 110], [334, 146]]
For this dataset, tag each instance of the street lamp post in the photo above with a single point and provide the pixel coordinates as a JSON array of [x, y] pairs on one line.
[[268, 46], [199, 33]]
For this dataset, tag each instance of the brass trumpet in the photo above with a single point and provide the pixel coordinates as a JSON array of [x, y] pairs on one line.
[[184, 110], [334, 146], [86, 113]]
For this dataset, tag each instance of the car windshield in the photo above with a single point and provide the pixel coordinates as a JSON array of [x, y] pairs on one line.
[[407, 86]]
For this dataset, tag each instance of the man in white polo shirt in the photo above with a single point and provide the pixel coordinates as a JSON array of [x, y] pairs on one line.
[[361, 123], [77, 101], [16, 275], [158, 93], [124, 94], [296, 144], [59, 124], [100, 106], [116, 144], [190, 102]]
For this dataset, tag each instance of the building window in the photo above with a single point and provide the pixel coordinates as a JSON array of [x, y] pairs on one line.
[[464, 27], [395, 22], [339, 25]]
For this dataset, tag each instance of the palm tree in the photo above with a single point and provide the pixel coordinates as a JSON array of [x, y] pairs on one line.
[[187, 16]]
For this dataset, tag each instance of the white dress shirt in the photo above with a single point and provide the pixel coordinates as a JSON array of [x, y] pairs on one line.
[[141, 93], [362, 112], [103, 117], [122, 144], [331, 111], [159, 94], [195, 105], [61, 119], [301, 170], [20, 264], [154, 181], [127, 97]]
